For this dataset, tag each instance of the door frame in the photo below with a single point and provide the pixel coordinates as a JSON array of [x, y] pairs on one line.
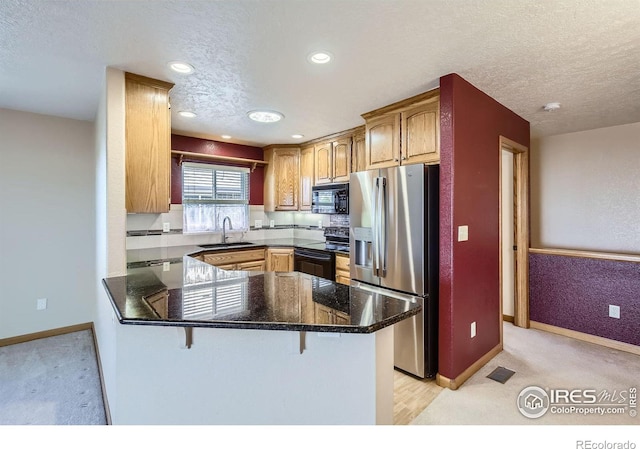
[[521, 228]]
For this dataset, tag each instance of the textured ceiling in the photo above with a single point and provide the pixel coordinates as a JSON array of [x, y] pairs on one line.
[[584, 54]]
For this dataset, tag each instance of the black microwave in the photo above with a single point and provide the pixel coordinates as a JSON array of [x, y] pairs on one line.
[[330, 199]]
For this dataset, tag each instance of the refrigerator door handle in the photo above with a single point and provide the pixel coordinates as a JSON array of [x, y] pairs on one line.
[[382, 226], [376, 226]]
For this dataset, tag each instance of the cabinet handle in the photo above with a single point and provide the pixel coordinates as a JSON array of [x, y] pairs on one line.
[[396, 159]]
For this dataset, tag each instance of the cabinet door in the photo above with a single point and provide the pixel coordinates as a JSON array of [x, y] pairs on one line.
[[382, 141], [323, 314], [280, 259], [256, 265], [287, 298], [341, 160], [287, 178], [342, 318], [323, 163], [147, 145], [358, 158], [420, 133], [307, 175]]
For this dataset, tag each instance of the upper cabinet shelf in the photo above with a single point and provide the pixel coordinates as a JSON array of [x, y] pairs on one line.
[[181, 155]]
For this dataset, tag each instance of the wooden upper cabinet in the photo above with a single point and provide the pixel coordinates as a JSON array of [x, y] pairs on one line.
[[406, 132], [147, 144], [358, 158], [282, 179], [341, 154], [333, 161], [307, 176], [382, 141], [323, 163], [420, 129]]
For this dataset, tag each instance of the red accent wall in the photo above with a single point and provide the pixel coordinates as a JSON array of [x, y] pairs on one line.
[[195, 145], [471, 124]]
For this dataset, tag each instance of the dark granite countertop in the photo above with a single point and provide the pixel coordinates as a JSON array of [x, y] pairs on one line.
[[195, 294], [152, 256]]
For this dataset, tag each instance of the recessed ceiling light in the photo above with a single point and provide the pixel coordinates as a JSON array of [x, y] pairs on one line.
[[320, 57], [187, 114], [297, 136], [551, 106], [181, 67], [226, 136], [265, 116]]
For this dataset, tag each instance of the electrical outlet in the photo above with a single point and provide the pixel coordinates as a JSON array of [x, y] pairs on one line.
[[258, 224], [473, 329], [614, 311], [463, 233], [166, 266], [272, 223], [166, 227], [41, 303]]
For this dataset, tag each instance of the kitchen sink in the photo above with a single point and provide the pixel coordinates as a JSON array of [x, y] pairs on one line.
[[226, 245]]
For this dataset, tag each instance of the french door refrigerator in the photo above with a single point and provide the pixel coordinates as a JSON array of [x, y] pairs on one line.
[[393, 215]]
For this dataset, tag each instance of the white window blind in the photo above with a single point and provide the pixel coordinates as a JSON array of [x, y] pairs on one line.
[[212, 192]]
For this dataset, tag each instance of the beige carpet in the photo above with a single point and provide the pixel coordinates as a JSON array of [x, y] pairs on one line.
[[539, 359], [52, 380]]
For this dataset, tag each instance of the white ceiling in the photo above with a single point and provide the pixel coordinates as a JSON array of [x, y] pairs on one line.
[[584, 54]]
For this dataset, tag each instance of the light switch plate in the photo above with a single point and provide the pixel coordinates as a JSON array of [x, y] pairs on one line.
[[614, 311], [473, 329], [166, 227], [463, 233], [41, 304]]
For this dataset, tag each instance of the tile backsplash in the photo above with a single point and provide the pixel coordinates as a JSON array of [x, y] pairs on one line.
[[149, 228]]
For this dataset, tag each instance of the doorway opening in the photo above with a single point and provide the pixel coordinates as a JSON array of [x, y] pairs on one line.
[[514, 233]]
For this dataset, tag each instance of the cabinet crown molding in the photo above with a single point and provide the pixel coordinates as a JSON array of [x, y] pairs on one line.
[[407, 102], [148, 81]]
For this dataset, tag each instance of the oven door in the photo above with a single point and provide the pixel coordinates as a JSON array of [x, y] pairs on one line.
[[315, 262]]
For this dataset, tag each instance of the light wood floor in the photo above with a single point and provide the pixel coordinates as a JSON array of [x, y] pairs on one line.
[[411, 396]]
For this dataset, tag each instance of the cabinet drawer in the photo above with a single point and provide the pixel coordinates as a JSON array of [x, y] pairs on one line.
[[342, 263], [232, 257], [254, 265], [342, 277]]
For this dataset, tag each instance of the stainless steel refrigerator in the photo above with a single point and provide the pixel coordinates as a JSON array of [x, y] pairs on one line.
[[393, 215]]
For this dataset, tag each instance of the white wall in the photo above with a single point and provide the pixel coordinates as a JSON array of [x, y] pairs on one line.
[[47, 222], [109, 143], [585, 190], [253, 377]]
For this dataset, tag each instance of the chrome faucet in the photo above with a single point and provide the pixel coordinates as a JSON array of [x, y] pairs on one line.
[[224, 229]]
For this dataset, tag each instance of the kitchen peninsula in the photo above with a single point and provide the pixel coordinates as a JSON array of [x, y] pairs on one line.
[[203, 345]]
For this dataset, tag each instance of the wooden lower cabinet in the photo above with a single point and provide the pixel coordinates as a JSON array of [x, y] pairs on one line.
[[237, 260], [343, 274], [327, 315], [280, 259]]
